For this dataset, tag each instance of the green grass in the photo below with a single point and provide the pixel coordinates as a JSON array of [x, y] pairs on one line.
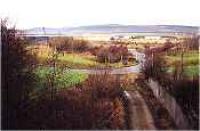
[[190, 62], [72, 60], [191, 71], [63, 79], [188, 71], [77, 60], [86, 61], [190, 58], [82, 61]]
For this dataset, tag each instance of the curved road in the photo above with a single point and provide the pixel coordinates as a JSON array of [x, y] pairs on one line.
[[140, 115], [124, 70]]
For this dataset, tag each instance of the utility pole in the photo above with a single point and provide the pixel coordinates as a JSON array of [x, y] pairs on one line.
[[45, 35], [152, 60], [72, 41], [54, 57]]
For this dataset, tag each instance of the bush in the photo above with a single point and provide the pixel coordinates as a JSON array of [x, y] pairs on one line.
[[186, 93], [185, 89], [111, 54], [192, 43], [94, 105], [17, 78], [105, 86], [69, 44], [154, 66]]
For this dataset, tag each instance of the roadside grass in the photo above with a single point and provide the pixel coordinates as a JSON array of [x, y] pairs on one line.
[[80, 60], [83, 61], [73, 60]]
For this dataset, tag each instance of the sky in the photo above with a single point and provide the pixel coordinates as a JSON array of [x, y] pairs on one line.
[[70, 13]]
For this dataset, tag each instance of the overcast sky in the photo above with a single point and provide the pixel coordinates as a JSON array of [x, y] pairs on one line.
[[65, 13]]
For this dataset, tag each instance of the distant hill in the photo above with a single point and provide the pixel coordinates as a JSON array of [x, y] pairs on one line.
[[115, 28]]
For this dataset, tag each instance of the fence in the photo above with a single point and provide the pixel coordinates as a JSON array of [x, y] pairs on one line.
[[170, 104]]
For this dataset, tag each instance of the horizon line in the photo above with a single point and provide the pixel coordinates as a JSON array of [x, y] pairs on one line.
[[197, 26]]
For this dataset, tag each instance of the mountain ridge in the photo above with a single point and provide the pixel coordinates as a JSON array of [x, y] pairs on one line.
[[114, 28]]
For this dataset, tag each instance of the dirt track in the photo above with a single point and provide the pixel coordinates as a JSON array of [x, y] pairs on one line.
[[140, 115]]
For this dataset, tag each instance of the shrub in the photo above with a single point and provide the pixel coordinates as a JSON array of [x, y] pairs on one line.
[[186, 93], [69, 44], [16, 77], [185, 90], [112, 54], [95, 104], [102, 55], [105, 86], [154, 64], [192, 43]]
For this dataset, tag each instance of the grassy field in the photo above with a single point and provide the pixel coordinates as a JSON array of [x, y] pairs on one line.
[[190, 62], [188, 71], [73, 60], [80, 60], [191, 70], [77, 60], [63, 79], [189, 58]]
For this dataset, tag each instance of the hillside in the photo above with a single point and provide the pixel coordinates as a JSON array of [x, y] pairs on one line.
[[115, 28]]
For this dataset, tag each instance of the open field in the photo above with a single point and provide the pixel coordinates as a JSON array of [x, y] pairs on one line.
[[190, 62], [59, 79], [189, 71], [63, 78], [189, 58], [73, 60]]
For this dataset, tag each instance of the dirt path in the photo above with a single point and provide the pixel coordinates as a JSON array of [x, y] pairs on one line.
[[140, 116], [161, 117]]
